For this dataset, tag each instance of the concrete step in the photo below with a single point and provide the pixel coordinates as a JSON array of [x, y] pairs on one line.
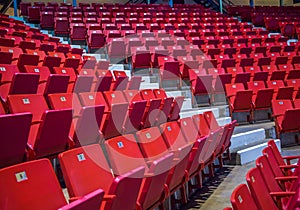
[[187, 104], [247, 142], [217, 110], [145, 85], [251, 153]]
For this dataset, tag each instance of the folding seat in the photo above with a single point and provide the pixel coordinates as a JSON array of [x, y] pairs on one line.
[[286, 118], [6, 57], [61, 26], [27, 59], [296, 84], [34, 14], [293, 74], [141, 58], [288, 171], [274, 51], [16, 176], [95, 40], [91, 159], [218, 84], [47, 20], [158, 51], [280, 91], [44, 73], [117, 49], [24, 8], [176, 108], [282, 161], [259, 190], [202, 90], [240, 101], [282, 63], [166, 105], [14, 143], [187, 63], [21, 83], [296, 62], [52, 61], [73, 60], [213, 137], [86, 120], [169, 70], [103, 82], [242, 199], [77, 32], [289, 51], [270, 180], [50, 128], [200, 142], [120, 150], [261, 100], [153, 109], [159, 147]]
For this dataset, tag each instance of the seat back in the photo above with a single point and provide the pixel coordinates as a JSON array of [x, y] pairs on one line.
[[173, 135], [56, 84], [14, 134], [280, 106], [87, 128], [24, 83], [92, 99], [243, 100], [241, 198], [103, 83], [113, 124], [152, 144], [263, 98], [266, 171], [35, 104], [90, 201], [53, 134], [135, 116], [59, 101], [81, 163], [259, 190], [177, 105], [25, 186], [83, 83]]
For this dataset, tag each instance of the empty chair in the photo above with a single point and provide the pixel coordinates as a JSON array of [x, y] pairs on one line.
[[261, 100], [27, 59], [240, 101], [169, 71], [13, 149], [77, 32], [30, 178], [286, 118], [22, 83], [47, 20], [33, 14], [50, 128], [95, 40], [241, 198], [280, 91], [259, 190], [202, 90], [61, 26], [79, 163], [125, 155]]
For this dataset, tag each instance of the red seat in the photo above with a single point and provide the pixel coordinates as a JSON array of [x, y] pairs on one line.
[[13, 149], [242, 199], [33, 176], [286, 117], [79, 163], [21, 83], [280, 91], [125, 155], [50, 128], [239, 99]]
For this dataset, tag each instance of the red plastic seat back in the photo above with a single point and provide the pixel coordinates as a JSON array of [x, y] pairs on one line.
[[241, 198], [25, 186]]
